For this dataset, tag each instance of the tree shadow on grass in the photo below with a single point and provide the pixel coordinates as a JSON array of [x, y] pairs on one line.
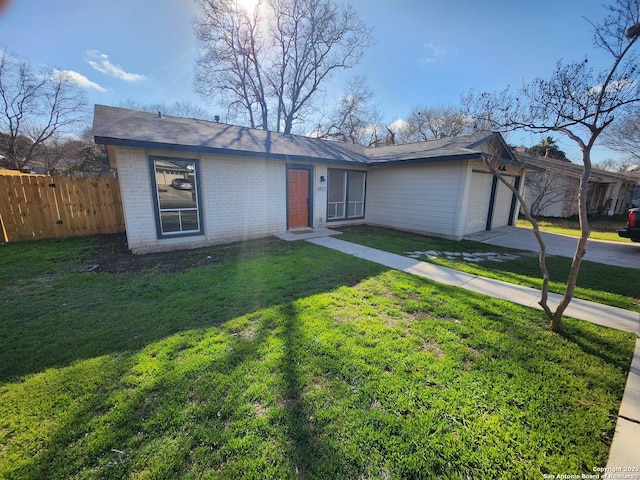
[[193, 403], [188, 405], [310, 455], [583, 334], [607, 349], [138, 409], [527, 337], [81, 316], [197, 369]]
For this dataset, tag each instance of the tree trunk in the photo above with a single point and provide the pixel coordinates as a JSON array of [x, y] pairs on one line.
[[581, 248], [556, 321], [555, 324]]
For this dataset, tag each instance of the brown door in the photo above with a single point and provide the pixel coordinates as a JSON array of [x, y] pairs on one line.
[[298, 201]]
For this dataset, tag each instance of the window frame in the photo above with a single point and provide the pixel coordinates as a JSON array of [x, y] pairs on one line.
[[161, 234], [347, 194]]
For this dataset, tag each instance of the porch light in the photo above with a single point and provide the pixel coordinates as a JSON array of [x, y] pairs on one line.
[[322, 179]]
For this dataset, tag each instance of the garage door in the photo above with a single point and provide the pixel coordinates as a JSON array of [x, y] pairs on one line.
[[502, 207], [479, 199]]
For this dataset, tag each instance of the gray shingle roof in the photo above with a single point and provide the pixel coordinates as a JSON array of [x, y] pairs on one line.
[[441, 148], [119, 126], [573, 170]]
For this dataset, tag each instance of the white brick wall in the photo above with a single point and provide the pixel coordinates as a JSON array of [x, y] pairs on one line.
[[320, 197], [133, 173], [241, 198]]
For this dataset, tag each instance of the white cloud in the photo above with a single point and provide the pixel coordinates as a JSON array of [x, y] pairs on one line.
[[434, 52], [79, 79], [398, 125], [614, 86], [100, 62]]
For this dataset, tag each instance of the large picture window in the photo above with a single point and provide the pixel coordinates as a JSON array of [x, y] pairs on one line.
[[345, 194], [177, 196]]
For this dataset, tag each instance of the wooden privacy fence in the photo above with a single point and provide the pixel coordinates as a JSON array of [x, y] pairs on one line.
[[37, 206]]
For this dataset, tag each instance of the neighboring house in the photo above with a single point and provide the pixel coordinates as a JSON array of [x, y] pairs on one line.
[[554, 192], [188, 182]]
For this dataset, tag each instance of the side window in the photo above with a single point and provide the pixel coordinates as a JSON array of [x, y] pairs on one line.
[[177, 196], [345, 196]]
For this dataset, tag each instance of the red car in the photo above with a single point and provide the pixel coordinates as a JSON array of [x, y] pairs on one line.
[[633, 226]]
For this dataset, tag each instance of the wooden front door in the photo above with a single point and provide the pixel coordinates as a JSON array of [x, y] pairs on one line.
[[298, 197]]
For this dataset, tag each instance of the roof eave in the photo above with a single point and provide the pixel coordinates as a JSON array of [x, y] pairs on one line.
[[528, 168], [490, 136], [222, 151], [412, 161]]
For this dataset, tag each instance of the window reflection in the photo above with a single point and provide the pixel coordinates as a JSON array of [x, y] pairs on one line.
[[177, 196]]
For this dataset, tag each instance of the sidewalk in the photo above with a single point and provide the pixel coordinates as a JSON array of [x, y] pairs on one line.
[[624, 449]]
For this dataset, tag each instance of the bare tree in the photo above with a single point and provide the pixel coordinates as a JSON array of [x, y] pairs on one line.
[[546, 189], [54, 151], [269, 64], [429, 123], [624, 137], [34, 106], [354, 119], [231, 67], [491, 161], [579, 104], [178, 109], [617, 165], [91, 159]]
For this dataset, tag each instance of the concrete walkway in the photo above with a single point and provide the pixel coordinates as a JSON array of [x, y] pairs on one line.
[[624, 449]]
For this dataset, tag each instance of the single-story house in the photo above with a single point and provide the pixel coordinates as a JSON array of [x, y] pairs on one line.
[[188, 182], [555, 187]]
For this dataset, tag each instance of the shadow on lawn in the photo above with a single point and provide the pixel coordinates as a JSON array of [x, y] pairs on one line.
[[188, 404], [205, 391], [85, 315], [597, 346], [311, 456], [578, 333]]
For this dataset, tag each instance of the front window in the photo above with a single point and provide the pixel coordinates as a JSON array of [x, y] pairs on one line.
[[345, 195], [176, 189]]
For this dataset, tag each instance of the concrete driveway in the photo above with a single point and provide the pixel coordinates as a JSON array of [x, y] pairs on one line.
[[621, 254]]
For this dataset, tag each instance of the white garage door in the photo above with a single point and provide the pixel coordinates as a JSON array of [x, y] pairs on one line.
[[479, 199], [502, 207]]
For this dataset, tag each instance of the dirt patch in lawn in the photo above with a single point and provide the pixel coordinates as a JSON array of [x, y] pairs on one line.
[[113, 256]]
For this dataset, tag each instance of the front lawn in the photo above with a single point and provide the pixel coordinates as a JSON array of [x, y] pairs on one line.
[[281, 360], [606, 284]]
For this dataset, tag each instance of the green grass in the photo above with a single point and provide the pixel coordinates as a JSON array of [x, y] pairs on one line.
[[287, 360], [606, 284], [602, 227]]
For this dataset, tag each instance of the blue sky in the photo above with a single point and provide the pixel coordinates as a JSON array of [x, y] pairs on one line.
[[427, 52]]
